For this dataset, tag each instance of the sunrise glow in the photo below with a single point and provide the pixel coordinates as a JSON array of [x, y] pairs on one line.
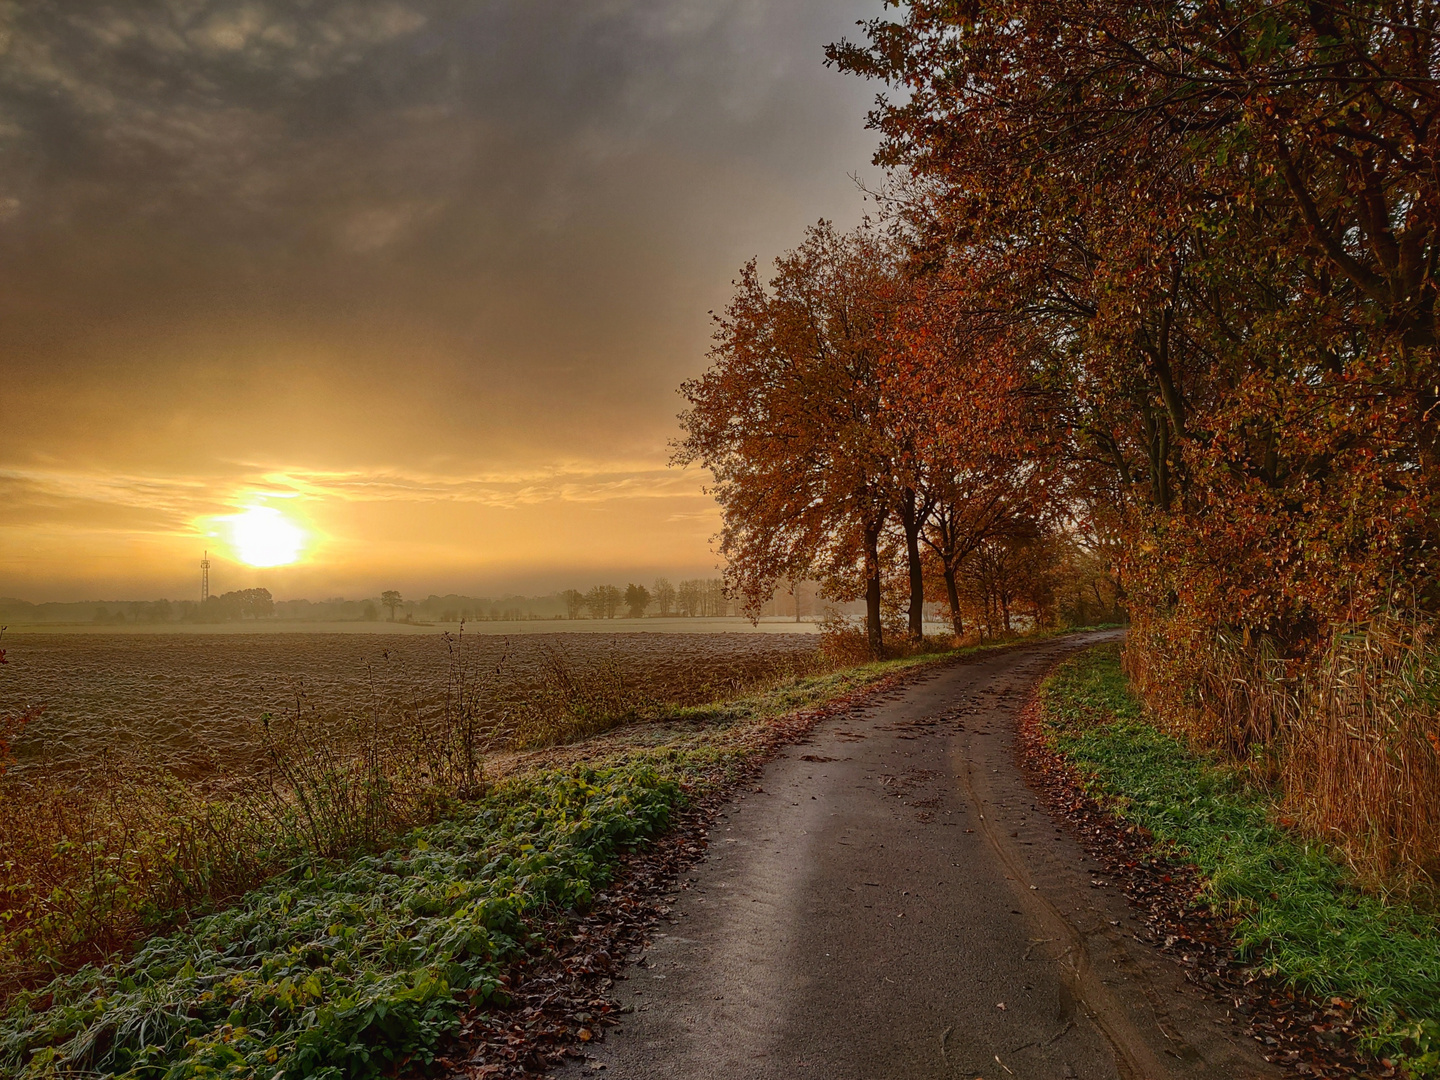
[[263, 536]]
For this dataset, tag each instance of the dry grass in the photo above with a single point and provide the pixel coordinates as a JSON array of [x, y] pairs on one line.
[[844, 642], [1349, 739], [95, 858]]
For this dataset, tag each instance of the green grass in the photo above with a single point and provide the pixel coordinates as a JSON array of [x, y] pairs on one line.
[[344, 971], [1293, 909]]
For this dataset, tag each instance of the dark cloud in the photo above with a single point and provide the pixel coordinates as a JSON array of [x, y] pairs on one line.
[[415, 236]]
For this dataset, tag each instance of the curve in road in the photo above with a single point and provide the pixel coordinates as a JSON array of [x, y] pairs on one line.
[[890, 900]]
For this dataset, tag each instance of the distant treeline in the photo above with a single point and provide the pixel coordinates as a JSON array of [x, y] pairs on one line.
[[696, 598], [693, 598], [224, 607]]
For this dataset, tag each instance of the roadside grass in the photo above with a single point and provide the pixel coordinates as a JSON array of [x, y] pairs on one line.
[[360, 966], [1293, 909], [347, 970]]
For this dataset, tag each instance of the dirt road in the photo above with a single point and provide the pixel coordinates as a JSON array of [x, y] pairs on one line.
[[889, 902]]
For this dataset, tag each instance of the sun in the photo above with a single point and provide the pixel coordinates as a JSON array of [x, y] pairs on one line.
[[263, 536]]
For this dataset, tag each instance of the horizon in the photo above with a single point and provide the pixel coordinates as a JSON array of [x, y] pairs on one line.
[[544, 583], [416, 597], [376, 298]]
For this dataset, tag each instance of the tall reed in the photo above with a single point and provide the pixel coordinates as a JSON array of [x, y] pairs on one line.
[[1349, 737]]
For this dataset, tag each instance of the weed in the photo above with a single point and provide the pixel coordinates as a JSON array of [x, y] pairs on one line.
[[574, 703], [98, 858], [350, 970]]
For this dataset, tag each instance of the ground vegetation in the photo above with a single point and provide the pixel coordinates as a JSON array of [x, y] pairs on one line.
[[1289, 908], [372, 955]]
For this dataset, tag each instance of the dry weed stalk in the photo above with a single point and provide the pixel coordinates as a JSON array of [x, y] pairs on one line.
[[94, 859], [572, 703], [1365, 758], [1349, 738]]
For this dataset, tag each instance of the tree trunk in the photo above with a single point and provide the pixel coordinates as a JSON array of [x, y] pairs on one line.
[[872, 590], [953, 595], [910, 519]]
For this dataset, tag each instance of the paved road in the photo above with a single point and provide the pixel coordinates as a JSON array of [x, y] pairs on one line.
[[889, 902]]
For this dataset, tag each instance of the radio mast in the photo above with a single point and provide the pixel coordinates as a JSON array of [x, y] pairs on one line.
[[205, 578]]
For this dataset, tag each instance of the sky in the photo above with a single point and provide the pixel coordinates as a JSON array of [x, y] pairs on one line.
[[417, 280]]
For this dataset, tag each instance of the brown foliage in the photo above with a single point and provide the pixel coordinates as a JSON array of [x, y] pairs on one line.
[[1206, 236], [790, 418]]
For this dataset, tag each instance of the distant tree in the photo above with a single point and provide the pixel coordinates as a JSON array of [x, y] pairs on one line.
[[637, 599], [369, 612], [574, 601], [595, 601], [257, 603], [716, 603], [613, 598], [664, 596], [691, 597], [390, 598]]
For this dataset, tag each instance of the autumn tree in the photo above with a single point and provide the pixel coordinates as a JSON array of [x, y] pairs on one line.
[[1216, 226], [390, 598], [976, 450], [788, 419]]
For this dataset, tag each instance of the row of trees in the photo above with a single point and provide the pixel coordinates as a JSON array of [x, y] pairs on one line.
[[1199, 243], [850, 428], [1153, 280], [239, 604], [222, 607], [696, 597]]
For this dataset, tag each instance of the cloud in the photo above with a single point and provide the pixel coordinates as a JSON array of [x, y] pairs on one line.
[[455, 253], [172, 503]]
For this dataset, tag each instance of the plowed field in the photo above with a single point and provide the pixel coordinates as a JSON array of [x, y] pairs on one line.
[[194, 702]]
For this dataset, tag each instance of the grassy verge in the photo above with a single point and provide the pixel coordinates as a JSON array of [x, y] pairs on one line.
[[1294, 909], [353, 968]]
